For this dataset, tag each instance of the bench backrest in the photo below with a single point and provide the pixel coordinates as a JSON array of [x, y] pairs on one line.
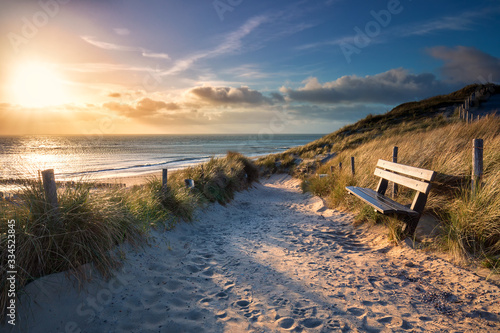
[[415, 178], [398, 173]]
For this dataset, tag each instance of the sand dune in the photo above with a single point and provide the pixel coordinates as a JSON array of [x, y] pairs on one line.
[[273, 260]]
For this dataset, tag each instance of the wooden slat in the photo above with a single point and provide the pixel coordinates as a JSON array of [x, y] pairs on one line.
[[405, 181], [407, 170], [381, 203]]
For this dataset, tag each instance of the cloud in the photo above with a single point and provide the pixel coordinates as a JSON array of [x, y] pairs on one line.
[[115, 95], [229, 95], [147, 104], [156, 55], [103, 67], [108, 46], [459, 22], [116, 47], [122, 31], [145, 107], [393, 86], [277, 97], [232, 43], [467, 64]]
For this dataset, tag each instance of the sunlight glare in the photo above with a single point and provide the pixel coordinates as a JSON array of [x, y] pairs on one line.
[[37, 85]]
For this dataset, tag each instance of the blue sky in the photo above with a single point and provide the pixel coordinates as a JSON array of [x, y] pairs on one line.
[[233, 66]]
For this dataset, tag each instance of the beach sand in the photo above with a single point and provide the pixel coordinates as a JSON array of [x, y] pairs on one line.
[[133, 180], [273, 260]]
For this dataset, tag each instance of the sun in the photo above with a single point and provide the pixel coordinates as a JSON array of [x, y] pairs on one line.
[[37, 84]]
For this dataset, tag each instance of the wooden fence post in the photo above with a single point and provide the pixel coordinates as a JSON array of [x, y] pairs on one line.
[[477, 164], [395, 160], [50, 189], [340, 166], [189, 183], [353, 170], [164, 176]]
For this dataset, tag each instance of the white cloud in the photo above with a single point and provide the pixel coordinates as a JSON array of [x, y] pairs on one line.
[[460, 22], [232, 43], [116, 47], [156, 55], [102, 67], [122, 31], [108, 46]]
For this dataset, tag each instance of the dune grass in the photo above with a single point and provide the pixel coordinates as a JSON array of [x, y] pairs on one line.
[[471, 224], [90, 222]]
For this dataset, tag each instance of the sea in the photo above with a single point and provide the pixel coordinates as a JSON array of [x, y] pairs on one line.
[[100, 157]]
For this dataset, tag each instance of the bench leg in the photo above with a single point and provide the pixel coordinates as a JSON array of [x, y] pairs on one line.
[[411, 223]]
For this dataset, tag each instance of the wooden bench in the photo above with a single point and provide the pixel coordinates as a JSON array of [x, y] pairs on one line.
[[411, 177]]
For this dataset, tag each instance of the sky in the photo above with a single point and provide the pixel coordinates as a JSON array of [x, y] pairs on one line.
[[233, 66]]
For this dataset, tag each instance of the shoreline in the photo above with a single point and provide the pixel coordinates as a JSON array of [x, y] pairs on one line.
[[9, 186]]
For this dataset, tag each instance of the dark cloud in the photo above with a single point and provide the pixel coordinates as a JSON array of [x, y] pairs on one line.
[[146, 107], [277, 97], [229, 95], [391, 87], [467, 64]]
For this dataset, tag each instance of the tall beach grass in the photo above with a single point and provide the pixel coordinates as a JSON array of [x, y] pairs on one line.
[[470, 223], [91, 222]]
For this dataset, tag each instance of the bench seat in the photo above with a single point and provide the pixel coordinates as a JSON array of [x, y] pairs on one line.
[[380, 202], [411, 177]]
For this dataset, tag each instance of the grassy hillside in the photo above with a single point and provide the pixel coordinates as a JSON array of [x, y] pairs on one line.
[[429, 135]]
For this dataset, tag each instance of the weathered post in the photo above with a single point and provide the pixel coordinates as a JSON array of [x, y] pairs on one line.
[[467, 117], [189, 183], [395, 160], [340, 166], [477, 164], [331, 169], [164, 176], [353, 170], [50, 189]]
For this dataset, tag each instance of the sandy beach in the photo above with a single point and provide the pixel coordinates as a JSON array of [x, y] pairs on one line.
[[272, 260]]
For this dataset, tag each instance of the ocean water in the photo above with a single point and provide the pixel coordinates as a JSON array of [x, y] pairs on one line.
[[74, 157]]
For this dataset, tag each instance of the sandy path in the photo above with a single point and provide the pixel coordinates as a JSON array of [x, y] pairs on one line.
[[273, 260]]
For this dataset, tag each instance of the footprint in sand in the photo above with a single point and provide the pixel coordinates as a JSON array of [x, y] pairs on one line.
[[286, 323], [356, 311], [390, 321], [336, 325], [243, 304], [280, 302], [311, 322], [221, 315], [206, 300]]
